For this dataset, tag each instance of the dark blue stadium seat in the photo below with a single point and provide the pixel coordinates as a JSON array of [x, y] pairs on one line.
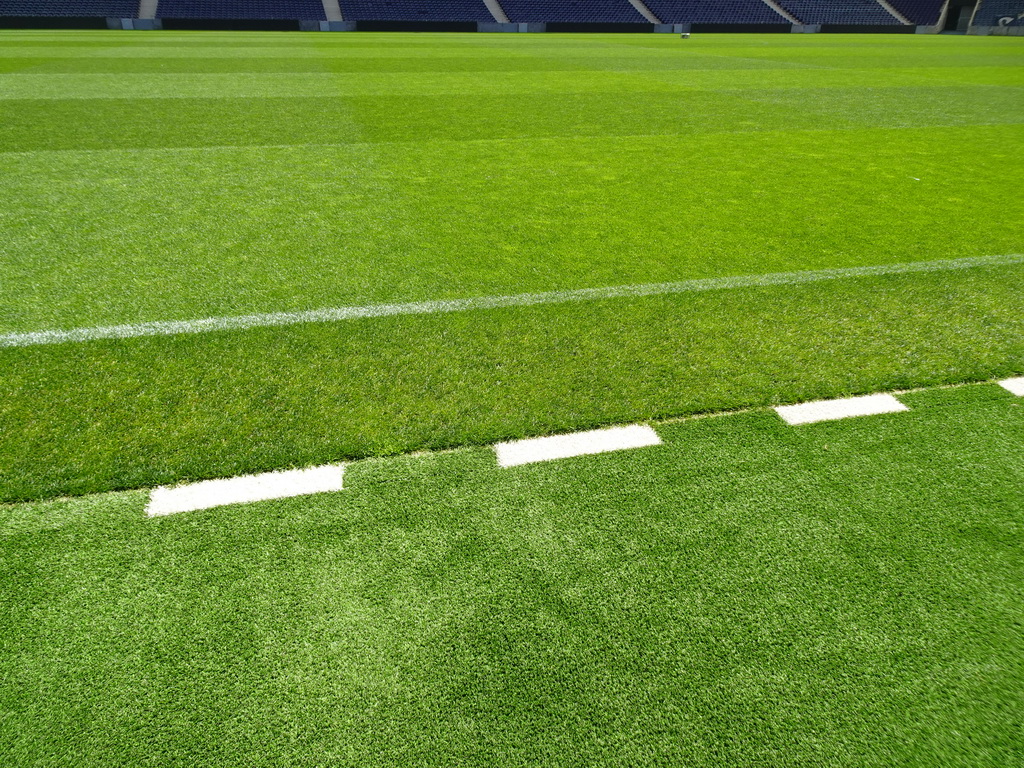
[[121, 9], [715, 12], [415, 10], [572, 11], [839, 12], [924, 12], [241, 9], [1000, 13]]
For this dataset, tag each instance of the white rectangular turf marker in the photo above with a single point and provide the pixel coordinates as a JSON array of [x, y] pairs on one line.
[[240, 490], [843, 408], [1016, 386], [535, 449]]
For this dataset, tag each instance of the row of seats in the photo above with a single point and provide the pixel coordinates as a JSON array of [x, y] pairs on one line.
[[572, 11], [924, 12], [240, 9], [122, 9], [839, 11], [1000, 13], [715, 12], [415, 10]]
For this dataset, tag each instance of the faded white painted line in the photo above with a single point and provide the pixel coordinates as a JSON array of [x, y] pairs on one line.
[[240, 490], [843, 408], [337, 314], [1016, 386], [577, 444]]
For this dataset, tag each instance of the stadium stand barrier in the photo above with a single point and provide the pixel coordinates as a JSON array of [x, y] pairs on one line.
[[234, 25], [870, 29], [373, 25], [598, 26], [57, 22], [751, 28]]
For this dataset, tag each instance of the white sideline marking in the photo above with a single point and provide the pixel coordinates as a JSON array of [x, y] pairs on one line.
[[239, 490], [1016, 386], [843, 408], [576, 444], [330, 315]]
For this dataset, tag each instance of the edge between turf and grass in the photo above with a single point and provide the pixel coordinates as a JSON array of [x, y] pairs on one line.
[[651, 422]]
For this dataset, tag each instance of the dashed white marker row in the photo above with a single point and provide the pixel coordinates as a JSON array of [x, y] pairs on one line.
[[240, 490], [576, 444], [1016, 386], [843, 408]]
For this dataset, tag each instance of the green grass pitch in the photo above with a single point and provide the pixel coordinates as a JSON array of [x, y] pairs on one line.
[[179, 176], [746, 594]]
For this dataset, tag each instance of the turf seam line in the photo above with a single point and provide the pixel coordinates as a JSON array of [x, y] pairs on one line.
[[169, 500], [441, 306], [659, 422], [667, 420], [840, 408], [564, 446]]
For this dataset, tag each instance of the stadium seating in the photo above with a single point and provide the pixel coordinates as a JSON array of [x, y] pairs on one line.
[[991, 11], [925, 12], [122, 9], [415, 10], [839, 12], [241, 9], [847, 12], [572, 11], [715, 12]]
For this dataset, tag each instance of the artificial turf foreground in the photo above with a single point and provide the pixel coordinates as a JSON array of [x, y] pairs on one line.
[[174, 176], [747, 594]]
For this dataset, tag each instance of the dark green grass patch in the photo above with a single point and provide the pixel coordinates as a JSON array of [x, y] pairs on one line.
[[748, 594], [271, 118], [94, 416]]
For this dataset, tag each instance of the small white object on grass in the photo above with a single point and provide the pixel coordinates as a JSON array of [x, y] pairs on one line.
[[576, 444], [1016, 386], [843, 408], [240, 490]]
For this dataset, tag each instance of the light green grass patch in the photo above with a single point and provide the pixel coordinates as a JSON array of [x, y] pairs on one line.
[[746, 594]]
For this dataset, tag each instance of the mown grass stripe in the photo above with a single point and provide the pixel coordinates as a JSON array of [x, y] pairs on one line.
[[842, 408], [242, 490], [337, 314]]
